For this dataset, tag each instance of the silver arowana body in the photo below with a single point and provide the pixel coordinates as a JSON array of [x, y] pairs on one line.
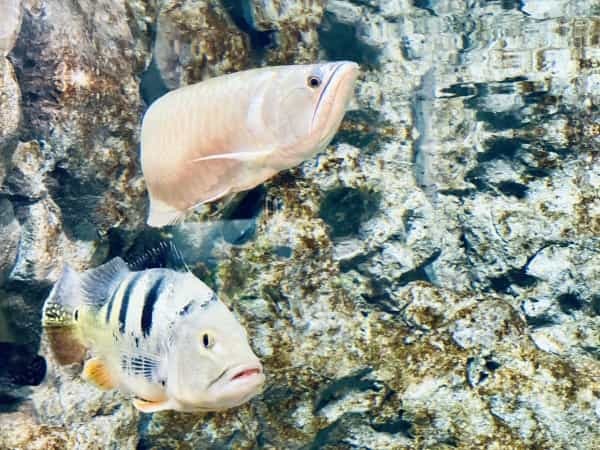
[[159, 334], [231, 133]]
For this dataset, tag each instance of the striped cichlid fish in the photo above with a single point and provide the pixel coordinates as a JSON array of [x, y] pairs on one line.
[[158, 333], [230, 133]]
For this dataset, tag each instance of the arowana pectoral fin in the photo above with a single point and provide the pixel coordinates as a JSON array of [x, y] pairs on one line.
[[96, 372], [146, 406], [238, 156]]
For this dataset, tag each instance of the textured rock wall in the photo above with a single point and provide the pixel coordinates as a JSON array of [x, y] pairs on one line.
[[432, 280]]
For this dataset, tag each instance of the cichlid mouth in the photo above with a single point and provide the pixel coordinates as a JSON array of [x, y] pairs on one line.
[[246, 372]]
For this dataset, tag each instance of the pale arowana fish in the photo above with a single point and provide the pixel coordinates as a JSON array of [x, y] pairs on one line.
[[159, 334], [228, 134]]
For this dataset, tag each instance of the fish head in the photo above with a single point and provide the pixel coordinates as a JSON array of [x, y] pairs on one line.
[[211, 365], [311, 101]]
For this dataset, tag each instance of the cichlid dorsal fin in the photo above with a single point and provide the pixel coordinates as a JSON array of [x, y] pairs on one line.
[[165, 255], [96, 372], [148, 407], [99, 284]]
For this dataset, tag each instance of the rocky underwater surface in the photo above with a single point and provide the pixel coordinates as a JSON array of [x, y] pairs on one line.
[[431, 281]]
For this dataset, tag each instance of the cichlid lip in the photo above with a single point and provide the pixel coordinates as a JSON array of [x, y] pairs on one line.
[[245, 372]]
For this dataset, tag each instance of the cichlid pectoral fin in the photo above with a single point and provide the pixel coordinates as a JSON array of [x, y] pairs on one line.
[[148, 407], [96, 372]]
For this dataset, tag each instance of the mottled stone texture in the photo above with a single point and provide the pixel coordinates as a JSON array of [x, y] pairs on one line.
[[430, 281]]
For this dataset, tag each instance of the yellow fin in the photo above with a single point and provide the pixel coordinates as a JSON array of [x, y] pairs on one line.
[[96, 372], [146, 406]]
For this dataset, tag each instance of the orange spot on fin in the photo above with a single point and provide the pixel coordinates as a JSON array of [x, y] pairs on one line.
[[96, 372]]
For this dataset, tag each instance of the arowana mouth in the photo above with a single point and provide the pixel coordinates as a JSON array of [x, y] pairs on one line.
[[246, 373]]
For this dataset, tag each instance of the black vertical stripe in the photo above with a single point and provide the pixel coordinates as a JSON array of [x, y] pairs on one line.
[[149, 302], [110, 304], [125, 301]]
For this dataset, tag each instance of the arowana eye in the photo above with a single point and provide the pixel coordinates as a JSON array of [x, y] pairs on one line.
[[208, 340], [313, 81]]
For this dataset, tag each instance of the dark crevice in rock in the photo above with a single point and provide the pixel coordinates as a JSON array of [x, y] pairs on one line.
[[354, 263], [513, 189], [419, 273], [409, 218], [593, 351], [361, 128], [78, 200], [512, 4], [336, 435], [381, 299], [518, 277], [595, 305], [343, 386], [239, 220], [478, 177], [501, 148], [26, 321], [478, 370], [17, 201], [460, 90], [501, 121], [260, 41], [35, 75], [570, 302], [379, 295], [424, 5], [373, 5], [492, 365], [460, 193], [283, 251], [541, 321], [395, 426], [344, 209], [340, 41], [152, 85]]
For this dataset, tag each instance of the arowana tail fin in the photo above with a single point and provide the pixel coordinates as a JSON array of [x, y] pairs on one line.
[[59, 318], [160, 214]]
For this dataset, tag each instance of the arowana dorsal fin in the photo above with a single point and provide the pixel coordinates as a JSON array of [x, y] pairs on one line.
[[96, 372]]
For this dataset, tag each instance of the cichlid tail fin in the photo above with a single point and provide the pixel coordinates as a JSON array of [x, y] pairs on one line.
[[59, 318]]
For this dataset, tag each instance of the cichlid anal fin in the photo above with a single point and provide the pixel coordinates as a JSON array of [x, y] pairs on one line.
[[96, 372], [146, 406]]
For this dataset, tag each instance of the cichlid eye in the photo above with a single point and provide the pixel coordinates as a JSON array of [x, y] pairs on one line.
[[208, 340], [313, 81]]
